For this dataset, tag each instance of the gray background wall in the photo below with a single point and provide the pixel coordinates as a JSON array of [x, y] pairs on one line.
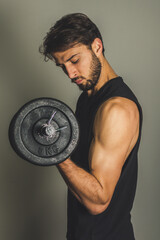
[[33, 198]]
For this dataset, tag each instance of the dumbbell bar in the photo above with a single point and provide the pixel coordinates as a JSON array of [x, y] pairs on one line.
[[44, 131]]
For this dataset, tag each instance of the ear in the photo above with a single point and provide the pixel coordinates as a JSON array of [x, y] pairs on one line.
[[97, 46]]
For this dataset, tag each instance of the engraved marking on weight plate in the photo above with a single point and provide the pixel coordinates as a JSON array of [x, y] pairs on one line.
[[48, 150]]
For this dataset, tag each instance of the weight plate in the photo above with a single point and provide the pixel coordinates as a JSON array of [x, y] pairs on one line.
[[44, 131]]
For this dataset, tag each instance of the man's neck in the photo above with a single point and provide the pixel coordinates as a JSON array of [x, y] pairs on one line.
[[107, 73]]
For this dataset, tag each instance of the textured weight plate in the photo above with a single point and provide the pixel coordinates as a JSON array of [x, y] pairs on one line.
[[44, 131]]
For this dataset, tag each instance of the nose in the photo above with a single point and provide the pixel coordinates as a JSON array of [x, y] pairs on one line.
[[71, 71]]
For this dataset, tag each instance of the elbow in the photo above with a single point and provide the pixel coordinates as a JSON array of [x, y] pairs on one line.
[[98, 205], [97, 209]]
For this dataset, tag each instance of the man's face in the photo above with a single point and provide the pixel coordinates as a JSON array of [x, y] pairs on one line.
[[81, 65]]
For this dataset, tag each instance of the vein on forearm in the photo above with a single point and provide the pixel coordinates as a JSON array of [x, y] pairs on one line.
[[84, 185]]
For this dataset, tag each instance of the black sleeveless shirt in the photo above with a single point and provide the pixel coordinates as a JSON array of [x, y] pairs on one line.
[[115, 222]]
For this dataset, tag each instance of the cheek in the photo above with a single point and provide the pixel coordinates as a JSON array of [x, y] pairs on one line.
[[84, 67]]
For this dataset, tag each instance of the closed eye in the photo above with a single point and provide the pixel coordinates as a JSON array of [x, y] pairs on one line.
[[74, 62]]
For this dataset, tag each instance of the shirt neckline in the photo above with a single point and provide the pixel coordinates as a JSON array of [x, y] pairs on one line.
[[107, 84]]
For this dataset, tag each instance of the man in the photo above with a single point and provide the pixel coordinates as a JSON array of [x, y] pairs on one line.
[[102, 172]]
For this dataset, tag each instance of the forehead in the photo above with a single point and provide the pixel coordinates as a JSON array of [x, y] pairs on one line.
[[65, 55]]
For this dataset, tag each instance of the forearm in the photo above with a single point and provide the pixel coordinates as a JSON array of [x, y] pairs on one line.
[[68, 183], [86, 188]]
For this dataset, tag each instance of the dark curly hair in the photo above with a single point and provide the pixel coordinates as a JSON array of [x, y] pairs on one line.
[[68, 31]]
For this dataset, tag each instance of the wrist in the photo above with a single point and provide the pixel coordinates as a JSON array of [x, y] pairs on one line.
[[64, 163]]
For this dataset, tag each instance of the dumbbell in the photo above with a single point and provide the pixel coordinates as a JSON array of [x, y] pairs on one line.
[[44, 131]]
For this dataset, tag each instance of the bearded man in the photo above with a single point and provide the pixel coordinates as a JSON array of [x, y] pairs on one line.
[[101, 174]]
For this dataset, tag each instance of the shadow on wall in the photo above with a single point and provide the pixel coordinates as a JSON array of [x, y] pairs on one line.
[[32, 206]]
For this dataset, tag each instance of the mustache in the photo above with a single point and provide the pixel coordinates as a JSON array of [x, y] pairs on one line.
[[77, 78]]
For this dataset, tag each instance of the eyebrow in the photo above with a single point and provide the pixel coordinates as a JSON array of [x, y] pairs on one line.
[[58, 64], [72, 57]]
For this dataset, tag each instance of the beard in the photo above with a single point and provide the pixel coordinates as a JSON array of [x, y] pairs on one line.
[[95, 71]]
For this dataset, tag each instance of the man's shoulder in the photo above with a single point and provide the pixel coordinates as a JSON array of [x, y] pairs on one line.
[[116, 106], [120, 102]]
